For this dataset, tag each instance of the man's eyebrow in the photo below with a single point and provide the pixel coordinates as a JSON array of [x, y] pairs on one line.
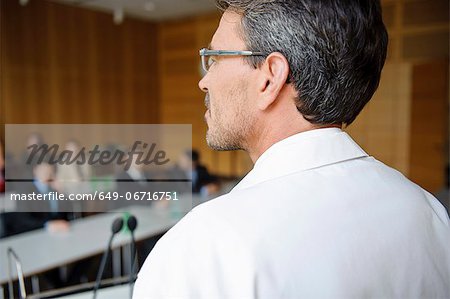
[[210, 47]]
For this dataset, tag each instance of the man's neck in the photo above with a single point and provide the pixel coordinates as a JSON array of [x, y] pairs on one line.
[[269, 137]]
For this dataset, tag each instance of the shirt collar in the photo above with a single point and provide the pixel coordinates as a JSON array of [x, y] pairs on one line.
[[302, 151]]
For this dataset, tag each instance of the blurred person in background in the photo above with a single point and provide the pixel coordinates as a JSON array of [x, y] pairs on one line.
[[41, 214], [2, 169], [74, 177], [2, 188], [26, 167], [189, 167], [133, 181]]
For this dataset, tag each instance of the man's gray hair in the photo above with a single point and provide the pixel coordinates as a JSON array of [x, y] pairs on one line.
[[335, 48]]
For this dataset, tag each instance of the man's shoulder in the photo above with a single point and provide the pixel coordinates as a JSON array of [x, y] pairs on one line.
[[201, 233], [197, 250], [245, 212], [203, 221]]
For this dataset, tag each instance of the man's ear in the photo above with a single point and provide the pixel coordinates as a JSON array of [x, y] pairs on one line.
[[274, 73]]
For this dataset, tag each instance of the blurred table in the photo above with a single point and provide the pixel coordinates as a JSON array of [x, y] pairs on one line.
[[115, 292], [7, 205], [40, 250]]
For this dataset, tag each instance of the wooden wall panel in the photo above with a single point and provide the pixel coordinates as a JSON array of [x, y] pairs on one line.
[[429, 126], [65, 64], [382, 128], [426, 45], [424, 12], [389, 14], [392, 126]]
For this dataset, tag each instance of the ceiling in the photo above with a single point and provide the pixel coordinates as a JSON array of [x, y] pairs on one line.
[[154, 10]]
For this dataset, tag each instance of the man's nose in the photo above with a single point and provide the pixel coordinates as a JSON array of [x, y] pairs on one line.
[[202, 84]]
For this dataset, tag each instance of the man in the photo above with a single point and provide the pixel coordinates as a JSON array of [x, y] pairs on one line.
[[316, 217], [190, 167], [73, 177], [133, 180], [43, 213]]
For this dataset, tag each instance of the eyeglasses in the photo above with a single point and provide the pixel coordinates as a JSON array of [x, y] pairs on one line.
[[207, 56]]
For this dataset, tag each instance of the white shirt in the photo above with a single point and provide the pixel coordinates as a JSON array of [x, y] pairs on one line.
[[315, 218], [137, 175]]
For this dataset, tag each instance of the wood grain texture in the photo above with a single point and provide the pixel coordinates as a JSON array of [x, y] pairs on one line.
[[428, 128], [63, 64]]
